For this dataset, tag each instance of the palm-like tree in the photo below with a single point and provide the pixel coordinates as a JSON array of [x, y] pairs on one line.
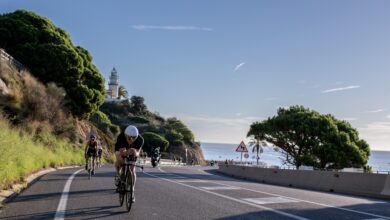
[[257, 146], [122, 92]]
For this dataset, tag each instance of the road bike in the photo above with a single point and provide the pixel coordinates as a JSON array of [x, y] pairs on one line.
[[126, 182], [90, 165]]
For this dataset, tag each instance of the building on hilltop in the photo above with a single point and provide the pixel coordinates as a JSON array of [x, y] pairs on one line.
[[113, 87]]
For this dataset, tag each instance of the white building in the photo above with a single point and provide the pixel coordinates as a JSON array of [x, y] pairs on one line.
[[113, 86]]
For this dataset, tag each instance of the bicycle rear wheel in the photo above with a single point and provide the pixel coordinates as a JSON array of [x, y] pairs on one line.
[[129, 190]]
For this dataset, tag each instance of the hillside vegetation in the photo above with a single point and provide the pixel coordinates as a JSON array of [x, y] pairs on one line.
[[171, 135], [23, 153], [36, 130], [50, 55]]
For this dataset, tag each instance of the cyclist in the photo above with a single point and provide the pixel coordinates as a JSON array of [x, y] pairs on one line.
[[91, 150], [127, 144], [99, 153]]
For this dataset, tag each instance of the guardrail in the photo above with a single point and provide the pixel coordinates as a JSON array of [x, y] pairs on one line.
[[8, 58], [366, 184]]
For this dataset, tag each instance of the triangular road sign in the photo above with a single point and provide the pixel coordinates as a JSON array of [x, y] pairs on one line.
[[241, 147]]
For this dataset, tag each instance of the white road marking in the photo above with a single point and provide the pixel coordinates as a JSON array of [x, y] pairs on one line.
[[315, 203], [234, 199], [60, 214], [269, 200], [374, 219], [219, 188], [191, 181]]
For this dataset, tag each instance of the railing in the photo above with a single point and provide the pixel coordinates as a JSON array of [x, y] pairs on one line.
[[8, 58], [253, 164]]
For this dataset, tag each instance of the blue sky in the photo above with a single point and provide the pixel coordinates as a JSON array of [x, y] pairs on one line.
[[221, 65]]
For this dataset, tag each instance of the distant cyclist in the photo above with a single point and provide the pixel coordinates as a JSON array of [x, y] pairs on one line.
[[99, 153], [127, 144], [91, 151]]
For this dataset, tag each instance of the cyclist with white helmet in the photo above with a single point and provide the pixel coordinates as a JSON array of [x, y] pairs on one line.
[[127, 144]]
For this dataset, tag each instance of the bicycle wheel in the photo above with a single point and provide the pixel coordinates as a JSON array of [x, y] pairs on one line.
[[129, 190], [89, 167], [121, 187]]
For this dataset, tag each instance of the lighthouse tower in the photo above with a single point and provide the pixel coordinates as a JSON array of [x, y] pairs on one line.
[[113, 85]]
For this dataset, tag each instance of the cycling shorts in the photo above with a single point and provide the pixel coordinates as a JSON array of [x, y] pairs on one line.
[[91, 152]]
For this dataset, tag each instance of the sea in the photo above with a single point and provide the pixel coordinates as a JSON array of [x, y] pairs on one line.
[[379, 160]]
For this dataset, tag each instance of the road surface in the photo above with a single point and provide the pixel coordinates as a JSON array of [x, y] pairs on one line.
[[182, 193]]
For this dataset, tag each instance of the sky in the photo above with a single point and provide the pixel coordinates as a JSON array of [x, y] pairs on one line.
[[221, 65]]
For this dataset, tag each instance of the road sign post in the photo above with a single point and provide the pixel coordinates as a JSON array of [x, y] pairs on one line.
[[242, 148]]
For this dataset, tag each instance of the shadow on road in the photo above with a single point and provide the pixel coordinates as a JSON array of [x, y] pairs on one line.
[[84, 213], [55, 196]]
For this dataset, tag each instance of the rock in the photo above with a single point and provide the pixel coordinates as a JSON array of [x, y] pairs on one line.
[[3, 88]]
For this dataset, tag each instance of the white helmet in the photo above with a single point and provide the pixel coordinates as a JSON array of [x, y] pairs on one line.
[[131, 132]]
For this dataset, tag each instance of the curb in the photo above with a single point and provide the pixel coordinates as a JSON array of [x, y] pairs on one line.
[[8, 195]]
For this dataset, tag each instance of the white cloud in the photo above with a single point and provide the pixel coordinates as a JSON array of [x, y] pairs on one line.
[[377, 135], [340, 89], [171, 28], [377, 111], [388, 116], [238, 66], [218, 129]]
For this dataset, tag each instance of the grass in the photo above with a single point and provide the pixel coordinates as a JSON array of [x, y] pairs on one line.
[[22, 154]]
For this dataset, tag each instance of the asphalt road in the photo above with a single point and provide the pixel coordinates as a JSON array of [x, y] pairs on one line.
[[184, 193]]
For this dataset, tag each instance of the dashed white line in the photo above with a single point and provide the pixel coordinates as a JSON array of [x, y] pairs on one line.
[[269, 200], [219, 188], [60, 214]]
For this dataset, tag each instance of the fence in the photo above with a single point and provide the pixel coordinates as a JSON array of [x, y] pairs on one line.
[[8, 58]]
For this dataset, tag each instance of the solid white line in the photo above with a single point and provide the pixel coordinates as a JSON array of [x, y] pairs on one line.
[[60, 214], [234, 199], [301, 200]]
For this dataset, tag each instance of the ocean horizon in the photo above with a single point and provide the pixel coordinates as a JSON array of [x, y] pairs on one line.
[[379, 160]]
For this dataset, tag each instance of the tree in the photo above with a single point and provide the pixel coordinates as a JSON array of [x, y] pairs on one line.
[[122, 92], [154, 140], [309, 138], [138, 106], [179, 127], [51, 57], [175, 139]]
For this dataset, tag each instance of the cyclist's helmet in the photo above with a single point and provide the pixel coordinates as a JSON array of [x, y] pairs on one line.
[[131, 132]]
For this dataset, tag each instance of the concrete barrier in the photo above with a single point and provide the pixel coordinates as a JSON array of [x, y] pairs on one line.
[[365, 184]]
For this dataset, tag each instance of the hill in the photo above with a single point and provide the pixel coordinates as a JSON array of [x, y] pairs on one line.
[[172, 135]]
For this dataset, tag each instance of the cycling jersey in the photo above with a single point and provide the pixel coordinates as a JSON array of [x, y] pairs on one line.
[[121, 142]]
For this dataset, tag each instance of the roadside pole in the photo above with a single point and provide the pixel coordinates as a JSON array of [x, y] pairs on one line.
[[242, 149]]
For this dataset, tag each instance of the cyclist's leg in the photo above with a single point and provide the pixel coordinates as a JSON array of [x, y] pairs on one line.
[[93, 163], [118, 162]]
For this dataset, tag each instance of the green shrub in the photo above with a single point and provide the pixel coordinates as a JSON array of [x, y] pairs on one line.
[[154, 140]]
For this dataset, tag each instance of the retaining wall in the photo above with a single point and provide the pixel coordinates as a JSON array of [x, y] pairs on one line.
[[366, 184]]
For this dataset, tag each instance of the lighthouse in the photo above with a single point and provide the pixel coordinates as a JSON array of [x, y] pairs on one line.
[[113, 85]]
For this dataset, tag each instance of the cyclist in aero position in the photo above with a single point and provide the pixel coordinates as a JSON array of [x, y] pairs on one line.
[[91, 150], [127, 144]]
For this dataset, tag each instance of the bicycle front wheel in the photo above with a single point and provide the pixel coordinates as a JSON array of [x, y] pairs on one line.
[[129, 190], [121, 187]]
